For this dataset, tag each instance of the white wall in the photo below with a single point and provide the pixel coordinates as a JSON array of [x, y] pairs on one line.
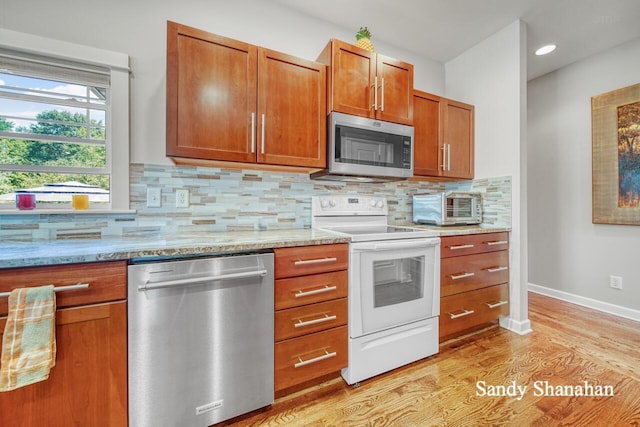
[[138, 28], [567, 252], [492, 76]]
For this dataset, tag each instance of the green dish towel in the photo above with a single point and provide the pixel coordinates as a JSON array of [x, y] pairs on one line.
[[29, 340]]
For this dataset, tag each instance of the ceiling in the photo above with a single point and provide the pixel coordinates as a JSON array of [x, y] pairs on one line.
[[443, 29]]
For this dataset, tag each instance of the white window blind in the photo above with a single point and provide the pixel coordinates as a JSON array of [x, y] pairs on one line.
[[54, 123], [106, 73]]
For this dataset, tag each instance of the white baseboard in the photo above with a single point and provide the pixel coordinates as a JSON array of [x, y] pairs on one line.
[[517, 326], [616, 310]]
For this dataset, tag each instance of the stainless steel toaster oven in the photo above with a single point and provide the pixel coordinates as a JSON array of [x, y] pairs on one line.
[[448, 208]]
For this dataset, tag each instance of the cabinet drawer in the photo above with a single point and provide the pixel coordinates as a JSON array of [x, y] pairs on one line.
[[298, 321], [472, 309], [107, 282], [298, 261], [296, 291], [468, 244], [469, 272], [305, 358]]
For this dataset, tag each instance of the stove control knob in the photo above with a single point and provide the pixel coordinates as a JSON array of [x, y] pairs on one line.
[[332, 203], [380, 204], [373, 203], [324, 203]]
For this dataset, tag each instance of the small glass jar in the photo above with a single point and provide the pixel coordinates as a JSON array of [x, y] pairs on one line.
[[80, 201], [25, 201]]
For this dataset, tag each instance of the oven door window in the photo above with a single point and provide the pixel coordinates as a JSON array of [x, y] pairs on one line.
[[393, 287], [398, 281]]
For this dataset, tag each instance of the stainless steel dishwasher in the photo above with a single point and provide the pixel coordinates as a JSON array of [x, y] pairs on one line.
[[200, 339]]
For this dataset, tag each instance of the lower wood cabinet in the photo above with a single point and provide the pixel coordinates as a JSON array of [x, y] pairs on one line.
[[474, 282], [310, 318], [88, 384], [310, 315], [309, 357], [468, 310]]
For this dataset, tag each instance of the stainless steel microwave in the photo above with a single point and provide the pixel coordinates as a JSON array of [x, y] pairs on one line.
[[363, 149], [449, 208]]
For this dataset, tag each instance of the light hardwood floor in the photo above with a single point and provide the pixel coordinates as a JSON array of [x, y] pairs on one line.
[[568, 346]]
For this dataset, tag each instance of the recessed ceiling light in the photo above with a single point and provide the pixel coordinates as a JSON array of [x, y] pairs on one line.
[[546, 49]]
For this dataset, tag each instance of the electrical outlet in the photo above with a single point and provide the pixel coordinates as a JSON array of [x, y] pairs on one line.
[[615, 282], [182, 198], [154, 197]]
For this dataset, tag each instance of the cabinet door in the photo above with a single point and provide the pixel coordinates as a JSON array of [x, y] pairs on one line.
[[427, 137], [458, 135], [291, 110], [88, 384], [395, 90], [211, 95], [352, 79]]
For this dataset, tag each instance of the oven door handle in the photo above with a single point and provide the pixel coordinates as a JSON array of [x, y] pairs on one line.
[[377, 246]]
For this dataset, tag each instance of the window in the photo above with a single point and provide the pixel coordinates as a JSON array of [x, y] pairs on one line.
[[63, 124]]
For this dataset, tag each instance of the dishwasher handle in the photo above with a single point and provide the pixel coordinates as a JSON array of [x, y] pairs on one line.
[[195, 280]]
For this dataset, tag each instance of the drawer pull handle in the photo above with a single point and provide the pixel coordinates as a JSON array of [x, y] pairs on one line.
[[57, 289], [314, 261], [326, 318], [326, 355], [455, 248], [497, 242], [497, 269], [301, 294], [465, 313], [462, 276], [496, 304]]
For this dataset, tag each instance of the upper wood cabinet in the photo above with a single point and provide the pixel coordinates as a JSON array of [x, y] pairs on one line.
[[443, 137], [458, 139], [232, 101], [427, 134], [291, 108], [367, 84]]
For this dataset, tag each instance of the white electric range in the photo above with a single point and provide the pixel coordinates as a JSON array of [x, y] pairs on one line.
[[394, 284]]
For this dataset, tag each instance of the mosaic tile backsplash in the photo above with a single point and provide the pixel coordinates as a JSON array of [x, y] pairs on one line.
[[233, 199]]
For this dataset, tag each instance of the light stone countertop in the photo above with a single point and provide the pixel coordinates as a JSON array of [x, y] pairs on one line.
[[52, 252], [458, 230]]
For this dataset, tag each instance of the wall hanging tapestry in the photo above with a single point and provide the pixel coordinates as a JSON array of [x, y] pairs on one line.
[[615, 127]]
